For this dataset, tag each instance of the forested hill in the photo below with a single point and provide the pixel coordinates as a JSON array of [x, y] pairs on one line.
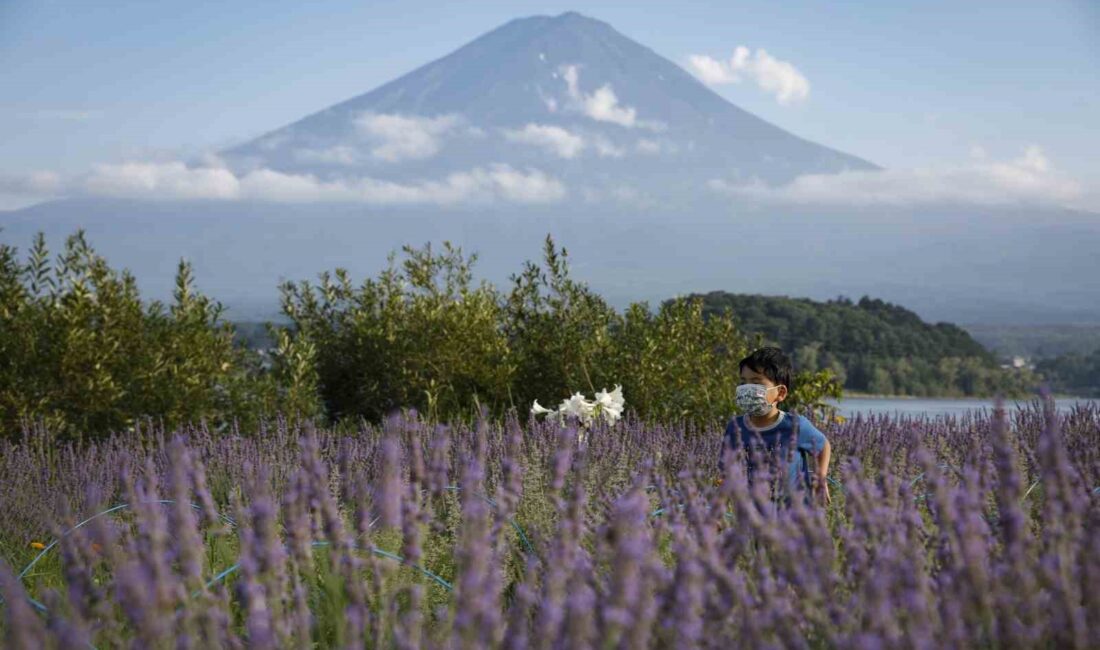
[[874, 346]]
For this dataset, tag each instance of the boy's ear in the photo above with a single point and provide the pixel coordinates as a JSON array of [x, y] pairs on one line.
[[782, 394]]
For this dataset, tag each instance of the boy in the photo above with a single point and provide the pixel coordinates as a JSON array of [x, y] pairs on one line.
[[765, 430]]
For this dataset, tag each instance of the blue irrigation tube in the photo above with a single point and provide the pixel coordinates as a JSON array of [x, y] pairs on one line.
[[229, 520], [493, 505], [393, 556], [660, 511], [373, 549], [122, 506], [922, 474]]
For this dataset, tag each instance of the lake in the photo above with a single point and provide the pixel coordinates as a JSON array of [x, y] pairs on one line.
[[849, 406]]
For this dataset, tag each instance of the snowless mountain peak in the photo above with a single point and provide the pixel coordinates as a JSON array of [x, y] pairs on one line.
[[566, 95]]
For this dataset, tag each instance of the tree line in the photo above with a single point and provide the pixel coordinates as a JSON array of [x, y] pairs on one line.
[[1073, 373], [84, 355], [874, 346]]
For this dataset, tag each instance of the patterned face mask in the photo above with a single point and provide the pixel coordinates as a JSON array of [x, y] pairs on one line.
[[753, 398]]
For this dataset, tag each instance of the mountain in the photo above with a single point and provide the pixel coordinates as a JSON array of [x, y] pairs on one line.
[[566, 94], [562, 125]]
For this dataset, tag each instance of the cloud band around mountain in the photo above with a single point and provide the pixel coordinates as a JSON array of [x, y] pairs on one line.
[[175, 180], [562, 142], [1027, 180], [555, 139], [398, 137]]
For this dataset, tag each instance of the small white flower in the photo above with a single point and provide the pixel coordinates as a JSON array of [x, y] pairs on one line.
[[578, 407], [607, 405], [611, 404]]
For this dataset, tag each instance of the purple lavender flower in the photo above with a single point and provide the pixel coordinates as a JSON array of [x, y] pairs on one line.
[[389, 502], [23, 627]]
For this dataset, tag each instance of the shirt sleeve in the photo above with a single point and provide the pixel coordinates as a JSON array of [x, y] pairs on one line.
[[809, 437]]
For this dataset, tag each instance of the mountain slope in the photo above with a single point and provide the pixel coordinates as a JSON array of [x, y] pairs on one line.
[[633, 115]]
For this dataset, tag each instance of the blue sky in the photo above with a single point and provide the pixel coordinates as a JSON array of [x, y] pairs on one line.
[[903, 84]]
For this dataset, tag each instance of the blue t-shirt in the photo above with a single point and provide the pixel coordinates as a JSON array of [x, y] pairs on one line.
[[741, 433]]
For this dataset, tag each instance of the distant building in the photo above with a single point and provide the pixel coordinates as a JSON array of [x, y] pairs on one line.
[[1017, 363]]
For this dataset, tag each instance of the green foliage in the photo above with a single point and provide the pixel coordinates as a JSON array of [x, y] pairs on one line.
[[874, 346], [83, 354], [677, 365], [1078, 374], [811, 389], [421, 337], [560, 333]]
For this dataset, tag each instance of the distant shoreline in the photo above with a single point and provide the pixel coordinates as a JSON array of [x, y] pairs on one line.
[[859, 395]]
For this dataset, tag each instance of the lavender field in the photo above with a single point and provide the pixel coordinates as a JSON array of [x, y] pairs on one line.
[[954, 532]]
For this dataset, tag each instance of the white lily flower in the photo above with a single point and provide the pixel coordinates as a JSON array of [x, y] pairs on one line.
[[611, 404], [578, 407], [607, 405]]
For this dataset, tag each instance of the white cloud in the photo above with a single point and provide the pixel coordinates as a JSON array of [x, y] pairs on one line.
[[602, 105], [562, 142], [172, 180], [572, 80], [175, 180], [607, 149], [336, 155], [531, 187], [710, 71], [769, 73], [647, 146], [1026, 180], [404, 137], [555, 139], [21, 190], [32, 183]]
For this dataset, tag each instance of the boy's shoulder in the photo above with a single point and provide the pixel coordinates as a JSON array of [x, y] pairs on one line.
[[790, 419]]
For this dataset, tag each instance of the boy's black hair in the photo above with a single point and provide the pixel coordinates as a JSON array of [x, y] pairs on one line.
[[773, 363]]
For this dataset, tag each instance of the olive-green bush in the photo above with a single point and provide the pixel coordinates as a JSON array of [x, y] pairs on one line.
[[81, 353], [422, 337]]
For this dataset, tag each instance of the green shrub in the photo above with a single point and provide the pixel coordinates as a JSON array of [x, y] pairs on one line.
[[421, 337], [84, 355]]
